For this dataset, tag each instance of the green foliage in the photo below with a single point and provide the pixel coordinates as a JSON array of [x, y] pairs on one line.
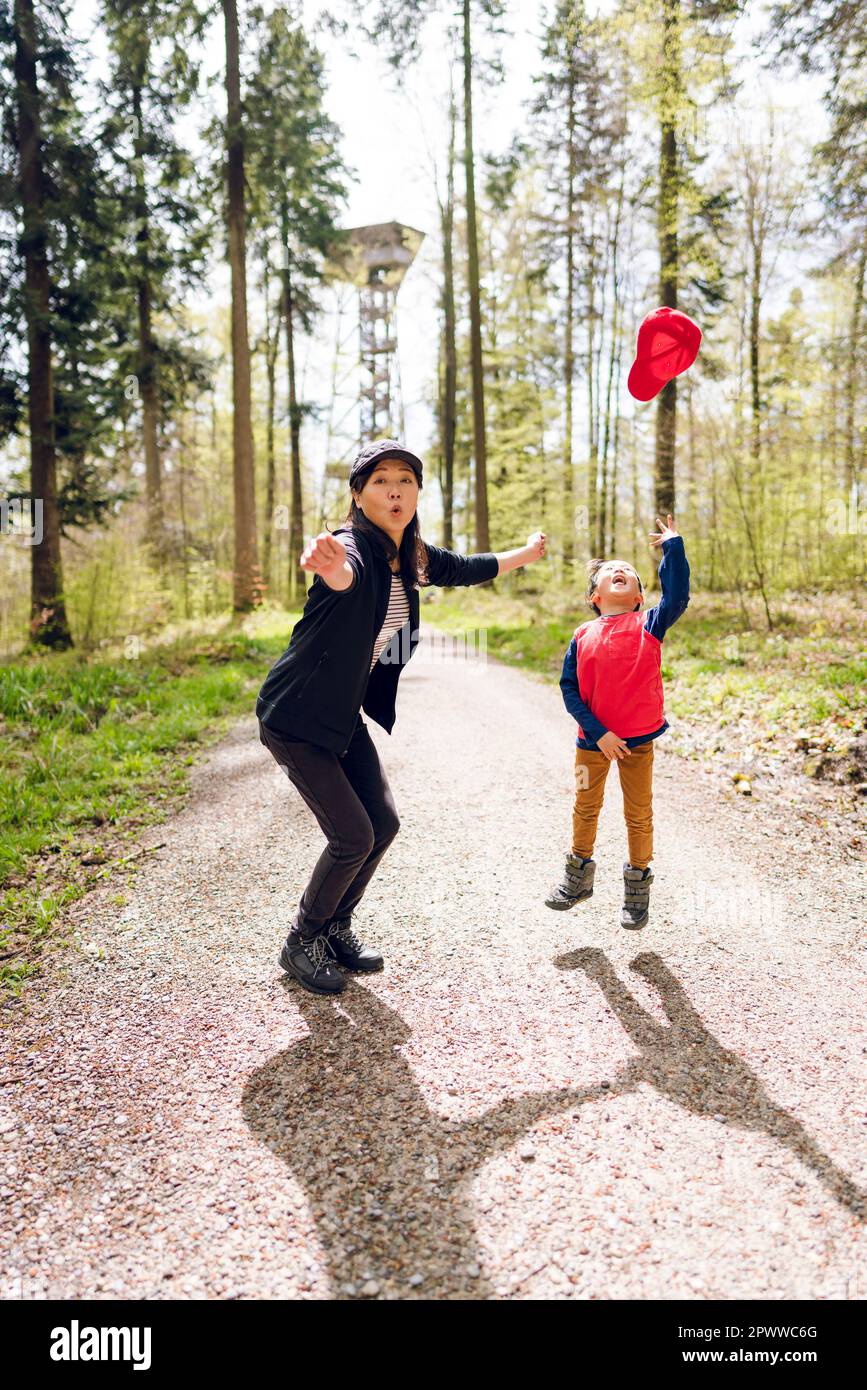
[[92, 746], [521, 355], [296, 175]]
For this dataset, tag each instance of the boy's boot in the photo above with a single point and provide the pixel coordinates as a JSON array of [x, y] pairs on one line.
[[577, 882], [351, 953], [636, 896]]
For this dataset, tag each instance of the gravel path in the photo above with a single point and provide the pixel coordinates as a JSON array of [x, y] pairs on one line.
[[524, 1104]]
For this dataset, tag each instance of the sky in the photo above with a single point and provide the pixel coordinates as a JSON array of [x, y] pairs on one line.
[[393, 138]]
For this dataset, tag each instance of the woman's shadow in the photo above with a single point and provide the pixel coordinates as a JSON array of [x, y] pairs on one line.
[[385, 1176], [686, 1064]]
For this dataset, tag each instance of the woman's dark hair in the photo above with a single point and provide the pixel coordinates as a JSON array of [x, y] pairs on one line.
[[413, 555], [593, 568]]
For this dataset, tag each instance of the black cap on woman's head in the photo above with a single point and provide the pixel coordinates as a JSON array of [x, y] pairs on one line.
[[378, 449]]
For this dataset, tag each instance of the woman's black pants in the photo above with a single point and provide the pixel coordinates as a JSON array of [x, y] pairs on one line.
[[352, 801]]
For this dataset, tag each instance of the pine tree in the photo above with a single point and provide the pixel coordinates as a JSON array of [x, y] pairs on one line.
[[680, 48], [247, 579], [830, 36], [162, 237], [520, 347], [446, 404], [580, 128], [297, 180], [34, 102]]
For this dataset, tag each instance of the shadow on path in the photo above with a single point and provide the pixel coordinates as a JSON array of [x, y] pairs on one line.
[[686, 1064], [383, 1173], [386, 1177]]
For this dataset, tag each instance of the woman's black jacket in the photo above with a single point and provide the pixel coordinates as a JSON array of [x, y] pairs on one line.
[[316, 688]]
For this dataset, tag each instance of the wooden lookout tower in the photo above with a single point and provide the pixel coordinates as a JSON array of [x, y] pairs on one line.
[[375, 262]]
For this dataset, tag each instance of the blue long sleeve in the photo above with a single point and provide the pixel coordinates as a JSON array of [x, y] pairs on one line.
[[674, 583], [591, 726]]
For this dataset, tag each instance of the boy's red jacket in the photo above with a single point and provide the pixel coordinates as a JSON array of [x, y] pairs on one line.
[[618, 666], [612, 670]]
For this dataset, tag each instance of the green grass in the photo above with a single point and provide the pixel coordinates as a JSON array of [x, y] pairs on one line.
[[94, 747]]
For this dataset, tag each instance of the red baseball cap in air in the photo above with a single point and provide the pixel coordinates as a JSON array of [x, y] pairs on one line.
[[668, 343]]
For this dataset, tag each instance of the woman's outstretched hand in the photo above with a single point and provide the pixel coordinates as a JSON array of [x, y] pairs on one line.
[[537, 544], [535, 549], [325, 555]]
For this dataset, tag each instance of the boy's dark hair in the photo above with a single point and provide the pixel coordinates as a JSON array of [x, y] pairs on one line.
[[593, 568]]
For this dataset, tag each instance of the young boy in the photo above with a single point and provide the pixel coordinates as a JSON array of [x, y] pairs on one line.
[[612, 686]]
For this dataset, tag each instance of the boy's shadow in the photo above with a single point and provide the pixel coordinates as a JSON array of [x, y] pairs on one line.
[[383, 1173], [686, 1064]]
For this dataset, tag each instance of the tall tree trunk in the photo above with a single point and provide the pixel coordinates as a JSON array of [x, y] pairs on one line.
[[666, 410], [608, 481], [854, 447], [48, 626], [615, 443], [343, 292], [479, 444], [690, 499], [182, 510], [247, 590], [636, 491], [569, 346], [593, 463], [756, 488], [493, 325], [150, 415], [600, 276], [852, 469], [532, 365], [713, 521], [755, 322], [147, 365], [272, 341], [448, 406], [296, 519], [833, 400]]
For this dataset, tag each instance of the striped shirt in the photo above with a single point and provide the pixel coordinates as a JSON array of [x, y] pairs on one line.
[[396, 617]]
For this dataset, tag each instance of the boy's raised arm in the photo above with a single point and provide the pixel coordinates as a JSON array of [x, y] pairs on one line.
[[673, 580]]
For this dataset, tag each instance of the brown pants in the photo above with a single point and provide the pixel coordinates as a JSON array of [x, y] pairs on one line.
[[636, 784]]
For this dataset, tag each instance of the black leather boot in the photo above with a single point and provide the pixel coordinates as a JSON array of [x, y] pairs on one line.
[[577, 883], [351, 953], [312, 962], [636, 896]]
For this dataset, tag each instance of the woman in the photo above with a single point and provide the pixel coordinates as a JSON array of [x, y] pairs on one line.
[[358, 630]]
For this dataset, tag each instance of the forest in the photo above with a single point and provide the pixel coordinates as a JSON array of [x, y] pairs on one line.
[[185, 379], [480, 1059], [168, 246]]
